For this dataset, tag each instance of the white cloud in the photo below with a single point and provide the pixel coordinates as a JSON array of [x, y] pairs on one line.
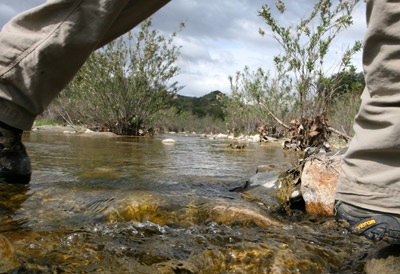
[[222, 37]]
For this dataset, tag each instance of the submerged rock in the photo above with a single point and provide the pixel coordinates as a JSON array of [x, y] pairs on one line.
[[264, 168], [162, 210], [229, 213], [236, 146], [8, 261], [384, 259], [318, 183]]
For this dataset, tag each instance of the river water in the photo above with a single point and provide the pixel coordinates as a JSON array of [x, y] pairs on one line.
[[135, 205]]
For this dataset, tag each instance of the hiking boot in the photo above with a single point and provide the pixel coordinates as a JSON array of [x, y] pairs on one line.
[[372, 224], [15, 166]]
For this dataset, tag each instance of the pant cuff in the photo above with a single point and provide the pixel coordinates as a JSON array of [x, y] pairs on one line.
[[15, 116], [367, 196]]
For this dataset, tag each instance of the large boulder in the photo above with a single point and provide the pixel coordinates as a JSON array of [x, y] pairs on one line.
[[318, 183]]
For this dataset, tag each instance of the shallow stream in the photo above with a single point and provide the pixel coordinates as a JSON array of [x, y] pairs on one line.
[[135, 205]]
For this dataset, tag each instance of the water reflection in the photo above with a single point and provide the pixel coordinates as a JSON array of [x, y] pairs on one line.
[[11, 199]]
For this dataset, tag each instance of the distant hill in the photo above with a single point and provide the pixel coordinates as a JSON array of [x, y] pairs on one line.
[[200, 106]]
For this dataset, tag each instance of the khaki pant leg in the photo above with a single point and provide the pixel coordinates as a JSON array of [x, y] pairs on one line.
[[43, 48], [371, 167]]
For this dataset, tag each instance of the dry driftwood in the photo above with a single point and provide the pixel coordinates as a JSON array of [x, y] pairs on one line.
[[305, 132], [308, 132], [340, 134], [267, 131]]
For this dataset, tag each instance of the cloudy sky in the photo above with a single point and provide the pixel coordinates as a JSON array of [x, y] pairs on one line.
[[220, 37]]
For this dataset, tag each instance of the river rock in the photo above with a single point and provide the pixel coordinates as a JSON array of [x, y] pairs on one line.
[[318, 183], [384, 259], [61, 129], [252, 139], [8, 261], [168, 141], [296, 196], [228, 213], [221, 136], [265, 179], [263, 189], [92, 133], [269, 139], [264, 168], [256, 138]]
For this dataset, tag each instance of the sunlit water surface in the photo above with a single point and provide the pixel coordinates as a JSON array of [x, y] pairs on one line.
[[135, 205]]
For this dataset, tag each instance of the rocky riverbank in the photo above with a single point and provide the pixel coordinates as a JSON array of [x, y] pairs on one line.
[[312, 186], [82, 131]]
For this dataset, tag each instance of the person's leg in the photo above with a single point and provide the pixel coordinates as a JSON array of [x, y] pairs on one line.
[[134, 12], [371, 167], [40, 52], [42, 49]]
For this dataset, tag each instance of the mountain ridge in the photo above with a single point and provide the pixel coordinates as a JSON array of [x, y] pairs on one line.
[[200, 106]]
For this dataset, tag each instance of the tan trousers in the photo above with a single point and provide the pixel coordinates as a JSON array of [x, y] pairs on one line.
[[43, 48], [371, 167]]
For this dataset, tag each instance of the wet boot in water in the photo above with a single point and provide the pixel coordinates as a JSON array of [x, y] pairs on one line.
[[15, 167], [372, 224]]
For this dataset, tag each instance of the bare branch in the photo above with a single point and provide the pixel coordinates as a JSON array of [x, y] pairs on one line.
[[341, 134], [273, 115]]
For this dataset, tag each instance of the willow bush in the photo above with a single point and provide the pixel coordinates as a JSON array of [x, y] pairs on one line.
[[185, 121], [302, 84], [305, 47], [124, 86]]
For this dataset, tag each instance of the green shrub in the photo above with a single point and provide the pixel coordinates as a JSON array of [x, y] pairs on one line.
[[124, 86]]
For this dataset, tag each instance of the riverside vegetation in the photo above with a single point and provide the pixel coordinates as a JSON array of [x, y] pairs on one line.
[[128, 86]]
